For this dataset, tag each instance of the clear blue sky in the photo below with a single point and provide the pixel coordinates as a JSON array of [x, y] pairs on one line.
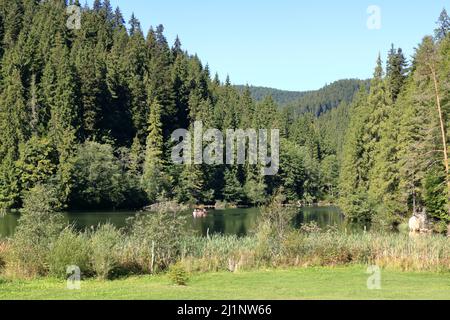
[[288, 44]]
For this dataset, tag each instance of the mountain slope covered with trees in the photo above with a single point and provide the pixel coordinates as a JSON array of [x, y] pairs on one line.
[[89, 114], [281, 97], [316, 101], [395, 156]]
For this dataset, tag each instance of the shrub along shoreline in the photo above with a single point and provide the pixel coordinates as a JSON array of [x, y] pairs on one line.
[[155, 243]]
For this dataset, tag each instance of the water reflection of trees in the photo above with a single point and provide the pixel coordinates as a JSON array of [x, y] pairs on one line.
[[229, 222]]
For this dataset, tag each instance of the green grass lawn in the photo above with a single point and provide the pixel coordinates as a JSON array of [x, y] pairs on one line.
[[293, 284]]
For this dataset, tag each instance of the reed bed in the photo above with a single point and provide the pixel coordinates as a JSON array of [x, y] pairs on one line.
[[3, 250], [387, 250], [126, 255]]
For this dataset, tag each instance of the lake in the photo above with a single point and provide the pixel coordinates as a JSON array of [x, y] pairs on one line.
[[229, 222]]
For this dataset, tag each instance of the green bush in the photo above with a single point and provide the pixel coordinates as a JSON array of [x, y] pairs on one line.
[[70, 249], [178, 274], [274, 225], [157, 240], [39, 226], [105, 243], [98, 176], [403, 228], [441, 227]]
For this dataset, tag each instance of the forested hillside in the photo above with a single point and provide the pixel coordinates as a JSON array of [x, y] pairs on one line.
[[395, 157], [89, 114], [281, 97], [329, 97], [316, 101]]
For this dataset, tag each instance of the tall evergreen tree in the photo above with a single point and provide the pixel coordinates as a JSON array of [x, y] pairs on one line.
[[443, 28], [427, 61], [396, 72], [353, 177], [61, 100], [13, 131], [154, 180]]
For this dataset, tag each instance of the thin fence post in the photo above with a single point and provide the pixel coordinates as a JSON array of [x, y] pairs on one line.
[[153, 257]]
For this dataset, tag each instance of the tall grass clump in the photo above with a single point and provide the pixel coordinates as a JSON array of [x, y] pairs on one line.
[[274, 226], [105, 245], [416, 253], [155, 240], [323, 248], [3, 251], [220, 253], [70, 249], [388, 250], [39, 225]]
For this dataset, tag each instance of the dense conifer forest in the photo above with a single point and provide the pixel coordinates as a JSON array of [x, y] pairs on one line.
[[89, 114], [318, 101]]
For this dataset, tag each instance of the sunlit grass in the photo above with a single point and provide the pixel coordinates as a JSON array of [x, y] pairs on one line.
[[290, 284]]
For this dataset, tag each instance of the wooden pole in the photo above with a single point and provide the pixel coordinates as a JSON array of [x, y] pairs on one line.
[[443, 132]]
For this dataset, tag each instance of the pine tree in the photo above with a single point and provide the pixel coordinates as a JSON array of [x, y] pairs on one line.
[[384, 181], [13, 131], [443, 26], [190, 188], [12, 13], [380, 140], [353, 183], [91, 71], [136, 158], [396, 72], [135, 66], [37, 163], [410, 143], [298, 176], [247, 108], [97, 6], [107, 11], [118, 21], [158, 78], [154, 180], [181, 87], [427, 61], [233, 190], [61, 100], [135, 25], [255, 189], [117, 113], [176, 49]]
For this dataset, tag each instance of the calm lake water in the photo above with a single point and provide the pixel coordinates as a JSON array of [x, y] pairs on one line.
[[230, 222]]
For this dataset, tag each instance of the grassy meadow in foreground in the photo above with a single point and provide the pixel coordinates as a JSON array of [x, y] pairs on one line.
[[291, 284]]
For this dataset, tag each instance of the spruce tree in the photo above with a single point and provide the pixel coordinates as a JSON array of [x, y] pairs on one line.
[[117, 20], [13, 131], [117, 116], [443, 28], [396, 72], [233, 191], [158, 78], [433, 95], [135, 66], [154, 181], [61, 100], [353, 179]]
